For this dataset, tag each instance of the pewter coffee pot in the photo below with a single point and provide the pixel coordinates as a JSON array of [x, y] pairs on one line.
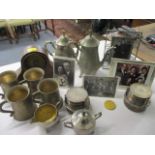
[[89, 58], [62, 47]]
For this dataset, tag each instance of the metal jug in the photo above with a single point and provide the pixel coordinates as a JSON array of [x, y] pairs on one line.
[[89, 58], [63, 47]]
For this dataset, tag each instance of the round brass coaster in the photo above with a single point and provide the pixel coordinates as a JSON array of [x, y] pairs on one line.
[[110, 105]]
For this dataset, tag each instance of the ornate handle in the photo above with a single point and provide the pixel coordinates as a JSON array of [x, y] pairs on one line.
[[5, 111], [49, 43], [98, 115], [68, 124]]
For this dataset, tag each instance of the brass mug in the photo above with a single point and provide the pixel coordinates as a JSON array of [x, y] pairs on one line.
[[48, 92], [23, 106], [32, 77], [7, 80]]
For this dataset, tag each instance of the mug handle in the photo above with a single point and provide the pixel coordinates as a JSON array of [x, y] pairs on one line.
[[68, 124], [5, 111], [34, 95], [98, 115], [22, 82]]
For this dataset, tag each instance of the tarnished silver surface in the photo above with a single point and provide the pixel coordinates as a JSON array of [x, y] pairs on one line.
[[76, 98], [83, 121], [137, 97]]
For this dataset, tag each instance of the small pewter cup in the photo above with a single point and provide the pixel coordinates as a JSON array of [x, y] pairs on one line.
[[48, 92]]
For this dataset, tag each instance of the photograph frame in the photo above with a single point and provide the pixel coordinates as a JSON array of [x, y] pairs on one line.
[[150, 75], [63, 59], [109, 78]]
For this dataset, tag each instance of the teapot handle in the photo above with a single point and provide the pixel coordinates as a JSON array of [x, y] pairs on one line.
[[49, 43], [98, 115], [68, 124], [107, 52]]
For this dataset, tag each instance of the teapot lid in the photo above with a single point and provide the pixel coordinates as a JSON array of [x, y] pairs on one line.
[[89, 41], [63, 40], [83, 119]]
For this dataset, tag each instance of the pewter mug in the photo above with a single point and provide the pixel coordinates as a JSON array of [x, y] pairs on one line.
[[46, 115], [48, 92], [7, 80], [21, 101], [89, 58], [63, 47], [32, 77], [83, 122]]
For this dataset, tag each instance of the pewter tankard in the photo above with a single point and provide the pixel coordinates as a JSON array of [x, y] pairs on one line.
[[7, 80], [22, 104], [48, 92]]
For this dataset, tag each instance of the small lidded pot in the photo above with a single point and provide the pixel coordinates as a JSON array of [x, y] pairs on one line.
[[46, 115], [83, 122]]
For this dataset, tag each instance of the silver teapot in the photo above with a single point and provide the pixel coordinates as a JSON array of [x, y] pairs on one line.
[[89, 61], [63, 46], [83, 122]]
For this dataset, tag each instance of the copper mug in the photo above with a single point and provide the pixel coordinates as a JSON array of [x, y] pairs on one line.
[[7, 80], [32, 77], [23, 106], [48, 92]]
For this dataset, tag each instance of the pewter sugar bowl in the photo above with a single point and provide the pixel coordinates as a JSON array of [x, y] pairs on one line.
[[83, 122]]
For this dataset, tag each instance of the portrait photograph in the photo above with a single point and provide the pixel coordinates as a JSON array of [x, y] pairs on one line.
[[64, 69], [100, 86], [133, 71]]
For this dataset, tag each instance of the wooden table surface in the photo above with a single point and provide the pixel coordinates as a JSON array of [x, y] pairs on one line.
[[145, 53]]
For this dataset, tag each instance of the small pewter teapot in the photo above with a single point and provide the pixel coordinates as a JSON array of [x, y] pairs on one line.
[[89, 58], [83, 122], [63, 47]]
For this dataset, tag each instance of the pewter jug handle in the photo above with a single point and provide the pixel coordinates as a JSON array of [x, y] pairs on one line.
[[34, 95], [49, 43], [5, 111], [77, 48], [2, 95], [98, 115], [109, 51], [68, 124]]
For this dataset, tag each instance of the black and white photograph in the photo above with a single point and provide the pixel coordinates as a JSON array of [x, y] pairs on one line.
[[132, 71], [100, 86], [64, 71]]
